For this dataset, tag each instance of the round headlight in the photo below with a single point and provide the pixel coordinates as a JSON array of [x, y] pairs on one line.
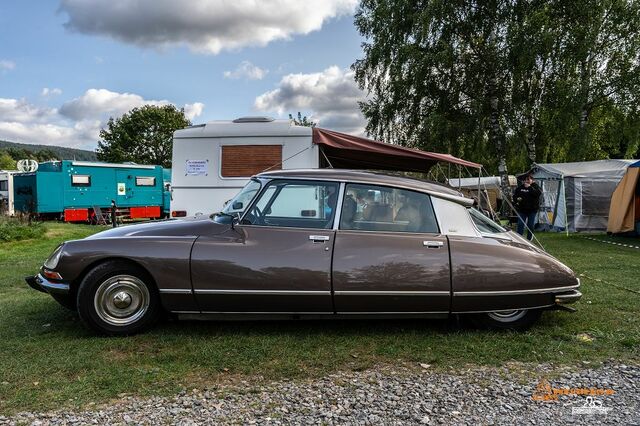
[[52, 261]]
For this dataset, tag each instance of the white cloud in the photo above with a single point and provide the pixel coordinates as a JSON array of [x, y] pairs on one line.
[[76, 123], [332, 95], [246, 70], [192, 111], [102, 102], [7, 65], [51, 92], [206, 26]]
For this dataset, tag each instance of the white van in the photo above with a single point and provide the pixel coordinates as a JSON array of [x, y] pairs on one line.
[[6, 192], [213, 161]]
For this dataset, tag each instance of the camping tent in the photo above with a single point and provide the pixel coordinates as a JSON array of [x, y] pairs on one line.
[[489, 186], [576, 196], [624, 213]]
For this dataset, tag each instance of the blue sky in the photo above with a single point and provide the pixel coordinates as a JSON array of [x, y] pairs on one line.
[[67, 66]]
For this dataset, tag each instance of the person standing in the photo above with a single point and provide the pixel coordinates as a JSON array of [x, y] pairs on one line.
[[526, 199]]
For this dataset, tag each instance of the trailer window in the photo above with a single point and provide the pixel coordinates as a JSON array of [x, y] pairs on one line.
[[4, 185], [145, 181], [248, 160], [80, 180]]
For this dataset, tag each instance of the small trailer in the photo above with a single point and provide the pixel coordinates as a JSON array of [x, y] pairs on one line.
[[81, 191], [213, 161], [6, 192]]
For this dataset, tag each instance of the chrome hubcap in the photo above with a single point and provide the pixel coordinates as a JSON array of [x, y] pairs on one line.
[[121, 300], [507, 316]]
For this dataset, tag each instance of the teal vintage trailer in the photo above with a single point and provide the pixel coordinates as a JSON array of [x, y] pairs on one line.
[[75, 190]]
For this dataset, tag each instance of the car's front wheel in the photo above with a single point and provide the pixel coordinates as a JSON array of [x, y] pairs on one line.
[[118, 298], [516, 319]]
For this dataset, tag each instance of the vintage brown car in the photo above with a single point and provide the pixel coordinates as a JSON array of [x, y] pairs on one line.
[[312, 244]]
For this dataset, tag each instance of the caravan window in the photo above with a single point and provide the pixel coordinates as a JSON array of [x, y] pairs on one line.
[[145, 181], [4, 185], [248, 160], [80, 180]]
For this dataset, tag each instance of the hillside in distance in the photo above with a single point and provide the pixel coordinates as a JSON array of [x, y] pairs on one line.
[[59, 152]]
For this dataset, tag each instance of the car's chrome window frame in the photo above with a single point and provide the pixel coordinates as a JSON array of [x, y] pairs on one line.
[[504, 235], [267, 182], [255, 196], [392, 187]]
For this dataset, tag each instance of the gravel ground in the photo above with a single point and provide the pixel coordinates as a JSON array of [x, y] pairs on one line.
[[384, 395]]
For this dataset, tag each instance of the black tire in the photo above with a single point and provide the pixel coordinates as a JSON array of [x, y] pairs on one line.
[[66, 300], [118, 298], [521, 319]]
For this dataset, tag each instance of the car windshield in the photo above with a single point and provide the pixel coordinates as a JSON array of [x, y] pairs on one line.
[[484, 224], [238, 204]]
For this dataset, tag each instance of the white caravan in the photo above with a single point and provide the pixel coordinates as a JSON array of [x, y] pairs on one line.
[[6, 192], [213, 161]]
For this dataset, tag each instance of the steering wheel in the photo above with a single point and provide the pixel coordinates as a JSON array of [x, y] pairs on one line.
[[253, 217]]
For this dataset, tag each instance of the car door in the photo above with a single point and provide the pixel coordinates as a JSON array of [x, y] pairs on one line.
[[277, 260], [389, 256]]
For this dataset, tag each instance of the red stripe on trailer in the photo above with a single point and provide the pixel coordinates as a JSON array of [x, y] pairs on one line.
[[76, 215], [144, 212]]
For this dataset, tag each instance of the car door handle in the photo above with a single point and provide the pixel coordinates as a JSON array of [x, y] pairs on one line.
[[319, 238], [432, 244]]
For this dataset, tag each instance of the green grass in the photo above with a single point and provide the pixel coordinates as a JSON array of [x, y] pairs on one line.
[[12, 229], [48, 360]]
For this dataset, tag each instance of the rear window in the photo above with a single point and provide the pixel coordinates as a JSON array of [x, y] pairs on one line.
[[484, 224]]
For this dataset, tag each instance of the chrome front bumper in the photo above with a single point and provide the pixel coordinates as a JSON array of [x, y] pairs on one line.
[[569, 297], [40, 283]]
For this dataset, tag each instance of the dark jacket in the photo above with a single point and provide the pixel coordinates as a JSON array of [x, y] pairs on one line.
[[527, 200]]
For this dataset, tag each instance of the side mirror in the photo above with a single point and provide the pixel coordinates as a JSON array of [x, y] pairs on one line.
[[237, 205]]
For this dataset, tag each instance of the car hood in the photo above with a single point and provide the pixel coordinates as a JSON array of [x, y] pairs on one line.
[[191, 226]]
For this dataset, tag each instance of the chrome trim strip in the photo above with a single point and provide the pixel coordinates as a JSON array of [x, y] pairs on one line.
[[391, 293], [175, 291], [267, 313], [266, 292], [339, 204], [185, 312], [501, 310], [392, 313], [468, 202], [516, 292]]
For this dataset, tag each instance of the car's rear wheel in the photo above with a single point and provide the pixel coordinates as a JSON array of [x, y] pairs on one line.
[[118, 298], [515, 319]]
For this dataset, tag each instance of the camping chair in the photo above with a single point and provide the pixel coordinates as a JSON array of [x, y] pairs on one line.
[[100, 218]]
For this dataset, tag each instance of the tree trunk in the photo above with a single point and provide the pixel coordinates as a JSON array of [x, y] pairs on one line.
[[496, 136]]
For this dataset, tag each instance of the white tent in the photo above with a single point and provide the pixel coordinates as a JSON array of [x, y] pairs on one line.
[[576, 196]]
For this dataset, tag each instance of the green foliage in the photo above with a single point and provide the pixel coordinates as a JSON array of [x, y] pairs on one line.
[[16, 229], [19, 151], [302, 121], [6, 161], [527, 80], [143, 135]]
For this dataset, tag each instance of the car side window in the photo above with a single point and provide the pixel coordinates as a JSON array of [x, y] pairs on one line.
[[297, 204], [386, 209]]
